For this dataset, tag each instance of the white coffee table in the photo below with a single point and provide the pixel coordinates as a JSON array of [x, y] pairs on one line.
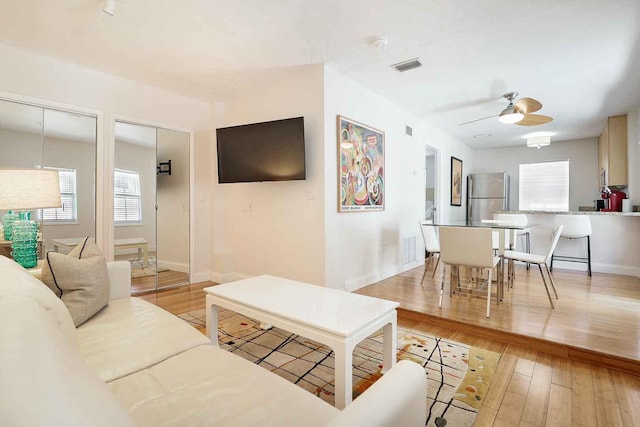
[[335, 318]]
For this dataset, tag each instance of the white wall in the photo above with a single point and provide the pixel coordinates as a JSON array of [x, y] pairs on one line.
[[583, 166], [363, 247], [37, 76], [273, 227]]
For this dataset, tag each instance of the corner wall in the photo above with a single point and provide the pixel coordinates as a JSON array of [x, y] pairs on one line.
[[365, 247]]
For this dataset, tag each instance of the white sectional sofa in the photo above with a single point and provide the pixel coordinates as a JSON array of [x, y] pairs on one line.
[[136, 364]]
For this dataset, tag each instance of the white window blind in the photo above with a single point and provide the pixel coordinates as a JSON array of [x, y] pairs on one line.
[[68, 197], [544, 186], [127, 206]]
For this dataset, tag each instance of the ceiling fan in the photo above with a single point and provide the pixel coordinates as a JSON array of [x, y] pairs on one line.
[[519, 113]]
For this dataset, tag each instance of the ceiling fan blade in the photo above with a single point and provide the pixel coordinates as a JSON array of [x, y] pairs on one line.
[[527, 105], [534, 120], [477, 120]]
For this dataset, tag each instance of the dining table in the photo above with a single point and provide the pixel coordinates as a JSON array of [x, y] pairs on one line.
[[502, 227]]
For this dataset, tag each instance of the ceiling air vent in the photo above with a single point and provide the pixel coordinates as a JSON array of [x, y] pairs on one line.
[[408, 130], [407, 65]]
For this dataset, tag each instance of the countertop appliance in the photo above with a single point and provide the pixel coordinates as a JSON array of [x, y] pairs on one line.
[[486, 194]]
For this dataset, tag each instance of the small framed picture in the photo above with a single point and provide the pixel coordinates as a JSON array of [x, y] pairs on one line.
[[456, 181]]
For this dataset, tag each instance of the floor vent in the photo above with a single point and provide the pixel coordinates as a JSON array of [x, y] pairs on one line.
[[408, 250]]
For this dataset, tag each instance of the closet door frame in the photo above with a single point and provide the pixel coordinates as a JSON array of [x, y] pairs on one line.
[[110, 164], [101, 158]]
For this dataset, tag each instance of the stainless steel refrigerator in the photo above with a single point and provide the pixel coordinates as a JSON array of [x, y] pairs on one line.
[[486, 194]]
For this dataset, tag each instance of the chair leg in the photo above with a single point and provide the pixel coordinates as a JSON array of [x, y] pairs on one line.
[[444, 271], [589, 254], [489, 294], [553, 285], [545, 286], [528, 240], [436, 267], [551, 269], [424, 273]]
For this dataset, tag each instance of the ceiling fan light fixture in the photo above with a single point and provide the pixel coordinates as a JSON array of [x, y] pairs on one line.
[[510, 116], [539, 141]]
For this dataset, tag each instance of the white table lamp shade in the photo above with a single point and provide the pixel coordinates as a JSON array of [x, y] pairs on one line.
[[24, 189]]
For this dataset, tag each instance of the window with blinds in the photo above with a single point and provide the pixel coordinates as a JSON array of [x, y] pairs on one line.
[[68, 197], [544, 186], [127, 205]]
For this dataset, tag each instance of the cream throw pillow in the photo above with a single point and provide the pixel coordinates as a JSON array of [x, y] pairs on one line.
[[84, 284], [86, 249]]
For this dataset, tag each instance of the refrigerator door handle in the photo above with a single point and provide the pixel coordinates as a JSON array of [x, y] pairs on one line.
[[470, 187]]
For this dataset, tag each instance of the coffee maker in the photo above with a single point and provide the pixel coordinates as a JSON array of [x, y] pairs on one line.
[[614, 197]]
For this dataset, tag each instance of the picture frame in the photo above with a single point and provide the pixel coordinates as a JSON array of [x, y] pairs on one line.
[[361, 167], [456, 181]]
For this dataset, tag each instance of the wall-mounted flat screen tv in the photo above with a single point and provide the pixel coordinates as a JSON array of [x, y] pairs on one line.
[[268, 151]]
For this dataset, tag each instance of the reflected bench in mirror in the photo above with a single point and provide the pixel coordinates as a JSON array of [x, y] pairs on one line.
[[138, 243]]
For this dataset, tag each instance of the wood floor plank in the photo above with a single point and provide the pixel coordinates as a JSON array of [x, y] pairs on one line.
[[561, 372], [583, 413], [608, 413], [559, 401], [526, 362], [486, 417], [500, 381], [628, 396], [603, 384], [536, 404], [512, 405]]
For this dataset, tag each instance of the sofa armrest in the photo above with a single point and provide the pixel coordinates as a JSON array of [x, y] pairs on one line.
[[399, 398], [120, 278]]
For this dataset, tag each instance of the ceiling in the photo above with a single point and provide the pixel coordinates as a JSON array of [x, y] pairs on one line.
[[580, 58]]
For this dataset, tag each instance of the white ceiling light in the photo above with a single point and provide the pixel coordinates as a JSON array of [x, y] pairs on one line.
[[539, 141], [109, 7], [380, 42], [509, 115]]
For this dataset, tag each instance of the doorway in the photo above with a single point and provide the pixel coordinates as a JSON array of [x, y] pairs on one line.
[[431, 193]]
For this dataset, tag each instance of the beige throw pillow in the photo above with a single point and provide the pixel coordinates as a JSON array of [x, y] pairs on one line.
[[86, 249], [84, 284]]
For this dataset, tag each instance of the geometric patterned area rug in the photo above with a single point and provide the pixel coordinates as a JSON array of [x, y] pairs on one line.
[[458, 376]]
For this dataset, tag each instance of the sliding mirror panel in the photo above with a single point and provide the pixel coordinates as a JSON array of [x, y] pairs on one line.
[[151, 205], [39, 137], [134, 204], [173, 207]]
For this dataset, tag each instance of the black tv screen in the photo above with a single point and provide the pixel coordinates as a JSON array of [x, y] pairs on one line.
[[268, 151]]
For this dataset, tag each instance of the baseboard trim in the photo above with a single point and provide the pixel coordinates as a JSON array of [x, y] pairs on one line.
[[570, 352], [366, 280], [599, 268], [175, 266]]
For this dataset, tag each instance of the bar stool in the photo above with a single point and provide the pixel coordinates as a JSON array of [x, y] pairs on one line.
[[575, 227]]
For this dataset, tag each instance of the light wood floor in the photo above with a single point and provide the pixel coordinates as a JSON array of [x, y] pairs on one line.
[[530, 388], [166, 278], [594, 317]]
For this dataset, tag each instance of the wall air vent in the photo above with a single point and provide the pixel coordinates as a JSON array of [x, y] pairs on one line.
[[407, 65], [408, 130]]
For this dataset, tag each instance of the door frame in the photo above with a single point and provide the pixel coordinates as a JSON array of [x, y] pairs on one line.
[[436, 196]]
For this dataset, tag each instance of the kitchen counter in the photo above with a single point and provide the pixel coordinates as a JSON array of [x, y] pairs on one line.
[[614, 241], [573, 213]]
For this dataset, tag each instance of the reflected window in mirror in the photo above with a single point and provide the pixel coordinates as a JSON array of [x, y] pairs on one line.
[[127, 199], [68, 195]]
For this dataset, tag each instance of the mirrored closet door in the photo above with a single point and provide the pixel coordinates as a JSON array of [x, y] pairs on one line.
[[33, 136], [151, 205]]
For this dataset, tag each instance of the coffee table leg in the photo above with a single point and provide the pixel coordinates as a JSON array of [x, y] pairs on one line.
[[389, 341], [212, 320], [343, 381]]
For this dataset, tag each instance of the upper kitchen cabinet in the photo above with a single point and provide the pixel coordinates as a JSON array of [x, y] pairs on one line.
[[612, 152]]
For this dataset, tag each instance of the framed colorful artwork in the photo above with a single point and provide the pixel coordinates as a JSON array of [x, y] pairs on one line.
[[360, 167], [456, 181]]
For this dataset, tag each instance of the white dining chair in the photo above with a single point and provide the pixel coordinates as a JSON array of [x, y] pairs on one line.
[[511, 237], [540, 260], [431, 245], [467, 247]]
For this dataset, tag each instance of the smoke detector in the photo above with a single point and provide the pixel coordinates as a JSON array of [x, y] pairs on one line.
[[380, 42]]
